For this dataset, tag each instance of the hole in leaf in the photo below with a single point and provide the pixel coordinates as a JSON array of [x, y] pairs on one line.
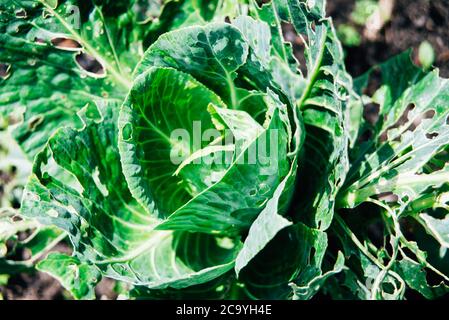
[[290, 34], [26, 254], [262, 2], [5, 70], [66, 44], [431, 135], [90, 64], [39, 40], [21, 14], [52, 170], [46, 14], [35, 122], [429, 114], [24, 235], [384, 136], [13, 170], [403, 119], [17, 218]]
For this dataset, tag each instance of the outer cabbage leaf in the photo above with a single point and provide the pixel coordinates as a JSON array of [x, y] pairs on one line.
[[403, 168], [415, 276], [50, 80], [266, 67], [309, 284], [413, 117]]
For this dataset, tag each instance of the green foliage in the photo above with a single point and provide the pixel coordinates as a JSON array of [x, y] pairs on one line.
[[426, 55], [349, 35], [151, 164]]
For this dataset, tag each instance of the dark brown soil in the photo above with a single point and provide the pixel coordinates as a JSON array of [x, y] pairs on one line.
[[412, 23]]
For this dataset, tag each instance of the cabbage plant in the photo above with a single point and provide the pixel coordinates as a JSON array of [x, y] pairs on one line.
[[183, 151]]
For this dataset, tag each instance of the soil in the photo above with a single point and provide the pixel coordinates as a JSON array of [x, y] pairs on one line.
[[35, 286], [41, 286], [412, 23]]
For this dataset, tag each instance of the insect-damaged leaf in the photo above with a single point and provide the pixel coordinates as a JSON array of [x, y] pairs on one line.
[[413, 116], [227, 205], [63, 55]]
